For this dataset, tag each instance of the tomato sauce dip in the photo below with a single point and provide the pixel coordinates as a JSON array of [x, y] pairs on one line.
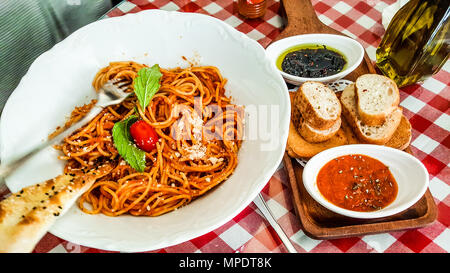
[[357, 182]]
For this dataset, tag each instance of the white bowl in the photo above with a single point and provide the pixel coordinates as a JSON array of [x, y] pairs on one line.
[[350, 48], [60, 79], [410, 174]]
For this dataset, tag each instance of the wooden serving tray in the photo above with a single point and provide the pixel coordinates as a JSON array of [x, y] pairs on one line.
[[317, 221], [320, 223]]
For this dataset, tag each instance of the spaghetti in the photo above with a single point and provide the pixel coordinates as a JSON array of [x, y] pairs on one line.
[[200, 133]]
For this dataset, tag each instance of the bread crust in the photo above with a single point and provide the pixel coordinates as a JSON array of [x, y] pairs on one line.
[[27, 215], [352, 116], [316, 136], [308, 132], [402, 136], [376, 119], [298, 147], [309, 112]]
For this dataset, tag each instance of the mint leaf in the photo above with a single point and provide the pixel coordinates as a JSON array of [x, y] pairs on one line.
[[146, 84], [123, 141]]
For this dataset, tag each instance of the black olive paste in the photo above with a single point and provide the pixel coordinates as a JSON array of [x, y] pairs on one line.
[[313, 62]]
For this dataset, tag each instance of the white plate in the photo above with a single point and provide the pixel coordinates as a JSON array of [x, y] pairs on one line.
[[350, 48], [60, 79], [410, 174]]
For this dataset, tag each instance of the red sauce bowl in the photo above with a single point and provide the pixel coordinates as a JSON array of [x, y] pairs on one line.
[[403, 182]]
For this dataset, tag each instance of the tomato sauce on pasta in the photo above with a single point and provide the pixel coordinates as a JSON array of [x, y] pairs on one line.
[[200, 133]]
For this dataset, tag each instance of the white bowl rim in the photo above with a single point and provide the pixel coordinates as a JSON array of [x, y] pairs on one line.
[[339, 75], [360, 149]]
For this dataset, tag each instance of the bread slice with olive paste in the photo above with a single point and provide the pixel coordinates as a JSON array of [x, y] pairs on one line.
[[318, 104], [377, 97]]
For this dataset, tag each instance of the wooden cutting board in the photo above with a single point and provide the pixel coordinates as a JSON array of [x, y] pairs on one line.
[[317, 221]]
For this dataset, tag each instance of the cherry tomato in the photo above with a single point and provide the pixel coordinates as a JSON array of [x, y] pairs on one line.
[[145, 137]]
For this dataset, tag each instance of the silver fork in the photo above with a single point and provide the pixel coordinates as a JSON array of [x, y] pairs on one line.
[[112, 92], [265, 210]]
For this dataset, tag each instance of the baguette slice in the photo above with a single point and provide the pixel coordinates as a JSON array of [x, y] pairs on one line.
[[298, 147], [313, 135], [308, 132], [368, 134], [399, 140], [27, 215], [402, 136], [318, 104], [377, 97]]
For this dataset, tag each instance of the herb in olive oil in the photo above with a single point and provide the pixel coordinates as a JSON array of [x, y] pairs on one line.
[[311, 61]]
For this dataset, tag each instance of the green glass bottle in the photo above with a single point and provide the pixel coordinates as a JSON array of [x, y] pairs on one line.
[[416, 43]]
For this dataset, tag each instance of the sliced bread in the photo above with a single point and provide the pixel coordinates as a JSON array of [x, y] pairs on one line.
[[377, 97], [318, 105], [27, 215], [366, 133], [298, 147], [313, 135], [308, 132], [402, 136], [399, 140]]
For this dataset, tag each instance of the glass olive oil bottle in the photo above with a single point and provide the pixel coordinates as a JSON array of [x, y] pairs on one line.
[[416, 42]]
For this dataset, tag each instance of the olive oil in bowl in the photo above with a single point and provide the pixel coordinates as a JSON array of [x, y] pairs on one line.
[[311, 61], [416, 42]]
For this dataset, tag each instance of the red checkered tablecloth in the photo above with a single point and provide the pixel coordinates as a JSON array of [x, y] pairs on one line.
[[426, 105]]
